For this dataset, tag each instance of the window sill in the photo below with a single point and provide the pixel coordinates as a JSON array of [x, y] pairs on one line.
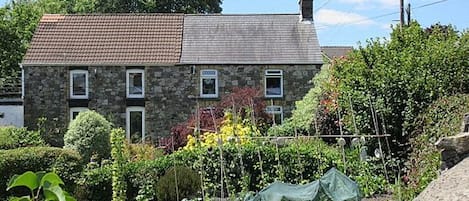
[[273, 97]]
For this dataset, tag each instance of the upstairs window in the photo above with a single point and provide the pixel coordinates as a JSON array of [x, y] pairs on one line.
[[208, 84], [135, 83], [276, 114], [79, 84], [273, 83], [135, 124], [74, 111]]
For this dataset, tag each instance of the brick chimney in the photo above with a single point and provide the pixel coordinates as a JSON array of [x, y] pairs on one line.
[[306, 10]]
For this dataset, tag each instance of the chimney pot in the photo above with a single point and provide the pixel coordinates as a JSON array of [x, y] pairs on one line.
[[306, 10]]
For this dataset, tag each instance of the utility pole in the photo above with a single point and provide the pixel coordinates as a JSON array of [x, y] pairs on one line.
[[402, 13], [408, 14]]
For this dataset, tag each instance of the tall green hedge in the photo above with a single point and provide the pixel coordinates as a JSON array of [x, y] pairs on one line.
[[66, 163]]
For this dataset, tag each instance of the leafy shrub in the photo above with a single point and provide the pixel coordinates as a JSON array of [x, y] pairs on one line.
[[12, 137], [231, 130], [142, 152], [52, 130], [89, 135], [95, 184], [441, 119], [247, 103], [66, 163], [188, 184], [306, 110]]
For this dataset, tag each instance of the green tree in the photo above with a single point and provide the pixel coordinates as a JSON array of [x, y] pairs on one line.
[[162, 6], [399, 78]]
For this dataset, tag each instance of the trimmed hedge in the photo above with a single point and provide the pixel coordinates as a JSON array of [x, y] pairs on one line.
[[89, 135], [66, 163], [12, 137]]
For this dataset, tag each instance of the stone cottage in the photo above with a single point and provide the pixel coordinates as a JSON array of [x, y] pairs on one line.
[[146, 72]]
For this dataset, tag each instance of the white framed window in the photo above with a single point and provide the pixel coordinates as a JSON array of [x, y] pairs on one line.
[[135, 83], [276, 113], [135, 124], [74, 111], [273, 83], [79, 84], [209, 83]]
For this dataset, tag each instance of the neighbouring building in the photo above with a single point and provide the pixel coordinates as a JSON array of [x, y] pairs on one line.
[[147, 72], [11, 104], [332, 52]]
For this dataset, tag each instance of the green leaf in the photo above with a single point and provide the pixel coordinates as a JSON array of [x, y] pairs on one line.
[[68, 197], [27, 179], [53, 192], [24, 198], [52, 178]]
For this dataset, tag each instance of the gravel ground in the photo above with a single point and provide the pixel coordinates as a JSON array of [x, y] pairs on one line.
[[451, 185]]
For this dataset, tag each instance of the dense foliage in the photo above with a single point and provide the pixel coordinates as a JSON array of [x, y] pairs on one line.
[[12, 137], [247, 167], [441, 119], [243, 104], [239, 130], [177, 183], [383, 86], [88, 134], [304, 116], [66, 163]]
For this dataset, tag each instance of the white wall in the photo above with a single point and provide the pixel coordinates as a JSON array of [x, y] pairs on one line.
[[13, 115]]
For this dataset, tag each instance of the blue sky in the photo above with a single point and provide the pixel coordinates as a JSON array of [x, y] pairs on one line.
[[346, 22]]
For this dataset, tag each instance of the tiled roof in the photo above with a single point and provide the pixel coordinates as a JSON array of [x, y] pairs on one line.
[[249, 39], [165, 39], [336, 51], [106, 39]]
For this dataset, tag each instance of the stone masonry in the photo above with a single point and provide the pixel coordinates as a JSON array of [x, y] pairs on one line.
[[171, 92]]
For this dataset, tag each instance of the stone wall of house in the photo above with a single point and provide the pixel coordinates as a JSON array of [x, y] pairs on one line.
[[171, 92], [296, 81], [45, 95]]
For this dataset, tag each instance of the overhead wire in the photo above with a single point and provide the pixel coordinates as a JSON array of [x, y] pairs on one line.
[[378, 16]]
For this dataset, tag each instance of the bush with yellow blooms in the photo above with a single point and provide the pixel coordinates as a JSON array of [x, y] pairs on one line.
[[232, 130]]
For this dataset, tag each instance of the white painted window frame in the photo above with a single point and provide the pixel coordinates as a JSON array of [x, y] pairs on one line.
[[273, 73], [275, 109], [72, 96], [202, 77], [76, 109], [127, 83], [127, 120]]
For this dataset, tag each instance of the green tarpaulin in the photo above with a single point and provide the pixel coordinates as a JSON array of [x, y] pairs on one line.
[[333, 186]]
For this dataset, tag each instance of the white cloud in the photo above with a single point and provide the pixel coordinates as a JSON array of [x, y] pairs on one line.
[[389, 3], [372, 4], [335, 17]]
